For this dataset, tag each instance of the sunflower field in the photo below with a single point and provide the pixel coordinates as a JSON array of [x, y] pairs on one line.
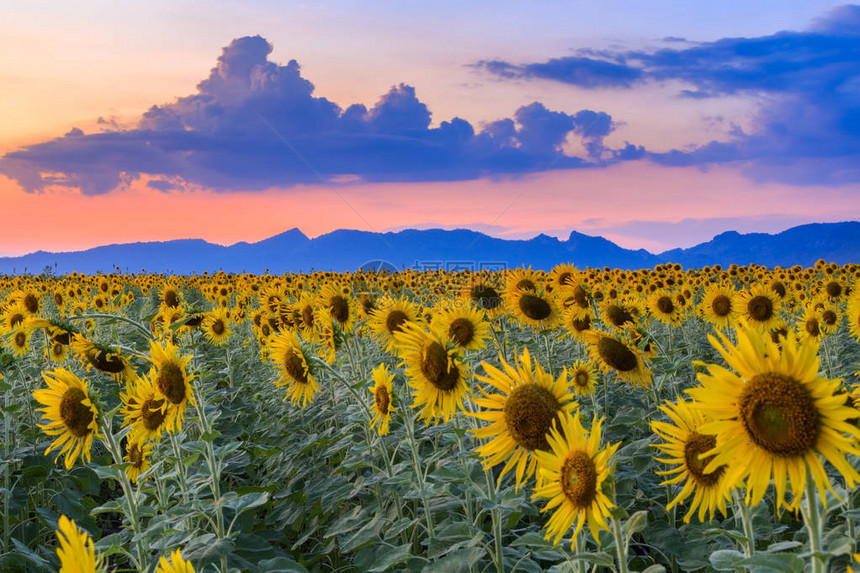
[[573, 420]]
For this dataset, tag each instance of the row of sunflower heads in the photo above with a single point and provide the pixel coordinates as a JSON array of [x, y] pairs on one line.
[[766, 417], [153, 402], [77, 553]]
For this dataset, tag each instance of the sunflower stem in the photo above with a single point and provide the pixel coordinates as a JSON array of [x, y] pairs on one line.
[[180, 465], [812, 519], [620, 545], [746, 523], [416, 464], [146, 332], [496, 515]]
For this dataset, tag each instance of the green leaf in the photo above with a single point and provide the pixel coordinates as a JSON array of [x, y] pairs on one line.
[[726, 559], [636, 523], [774, 563], [247, 501], [599, 558], [783, 546], [282, 565], [381, 557], [654, 569], [456, 561]]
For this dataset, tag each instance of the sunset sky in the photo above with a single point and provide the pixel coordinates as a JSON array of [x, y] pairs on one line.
[[655, 123]]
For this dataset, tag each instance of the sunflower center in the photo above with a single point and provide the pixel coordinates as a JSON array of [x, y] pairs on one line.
[[721, 305], [580, 297], [760, 308], [218, 327], [382, 400], [525, 284], [779, 288], [76, 416], [152, 414], [62, 338], [581, 324], [57, 349], [295, 366], [308, 316], [579, 479], [697, 444], [618, 315], [828, 317], [665, 305], [564, 277], [31, 303], [834, 289], [16, 319], [171, 299], [106, 361], [394, 321], [529, 413], [581, 379], [135, 456], [616, 354], [171, 382], [20, 339], [339, 308], [461, 331], [534, 307], [779, 415], [812, 327], [435, 366], [485, 297]]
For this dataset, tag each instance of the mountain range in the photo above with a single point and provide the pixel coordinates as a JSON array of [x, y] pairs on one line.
[[347, 250]]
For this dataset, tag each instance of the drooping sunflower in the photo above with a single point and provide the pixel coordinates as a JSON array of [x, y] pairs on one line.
[[465, 327], [171, 380], [615, 354], [76, 550], [685, 444], [389, 317], [719, 305], [433, 370], [100, 357], [774, 415], [571, 476], [303, 310], [291, 360], [574, 298], [176, 564], [216, 326], [759, 306], [70, 414], [521, 415], [145, 409], [138, 455], [582, 378], [328, 334], [383, 399]]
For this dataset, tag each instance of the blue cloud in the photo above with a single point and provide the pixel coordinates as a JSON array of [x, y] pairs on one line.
[[254, 124], [807, 131]]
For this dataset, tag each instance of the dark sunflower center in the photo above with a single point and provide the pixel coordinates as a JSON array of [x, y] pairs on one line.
[[58, 299], [778, 334], [339, 308], [812, 327], [31, 303], [135, 456], [760, 308], [295, 366], [828, 317], [461, 331], [616, 354], [697, 444], [171, 382], [434, 365], [834, 289], [580, 297], [152, 414], [779, 415], [16, 319], [779, 288], [57, 349], [308, 316], [579, 479], [20, 339], [394, 321], [62, 338], [529, 413], [564, 277], [525, 284], [581, 379], [170, 298], [534, 307], [665, 305], [485, 297], [721, 305], [382, 400], [618, 315], [218, 327], [76, 416], [581, 324], [106, 361]]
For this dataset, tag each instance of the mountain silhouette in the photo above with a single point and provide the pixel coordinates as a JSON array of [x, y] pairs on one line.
[[348, 250]]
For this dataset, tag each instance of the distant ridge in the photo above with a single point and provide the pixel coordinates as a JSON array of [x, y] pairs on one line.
[[347, 250]]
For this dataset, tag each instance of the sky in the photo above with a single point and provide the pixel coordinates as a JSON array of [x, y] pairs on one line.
[[656, 124]]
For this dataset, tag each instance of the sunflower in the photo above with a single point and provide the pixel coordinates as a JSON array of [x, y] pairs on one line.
[[57, 351], [809, 325], [434, 372], [852, 311], [137, 454], [303, 311], [665, 307], [563, 275], [719, 305], [216, 326], [28, 300], [571, 476], [621, 312], [774, 415], [534, 308], [13, 317], [467, 328], [483, 296], [336, 301], [522, 279], [582, 378], [70, 414], [383, 399], [574, 298], [390, 317], [576, 323], [684, 445], [521, 416], [146, 410], [616, 354], [286, 351], [169, 296], [100, 357], [176, 564], [171, 380], [329, 335], [19, 340], [76, 551], [759, 306]]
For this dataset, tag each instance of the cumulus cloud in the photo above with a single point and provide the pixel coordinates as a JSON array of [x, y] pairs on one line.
[[254, 124], [807, 130]]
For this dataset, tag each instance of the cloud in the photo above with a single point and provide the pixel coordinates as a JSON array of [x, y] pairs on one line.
[[253, 124], [807, 129]]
